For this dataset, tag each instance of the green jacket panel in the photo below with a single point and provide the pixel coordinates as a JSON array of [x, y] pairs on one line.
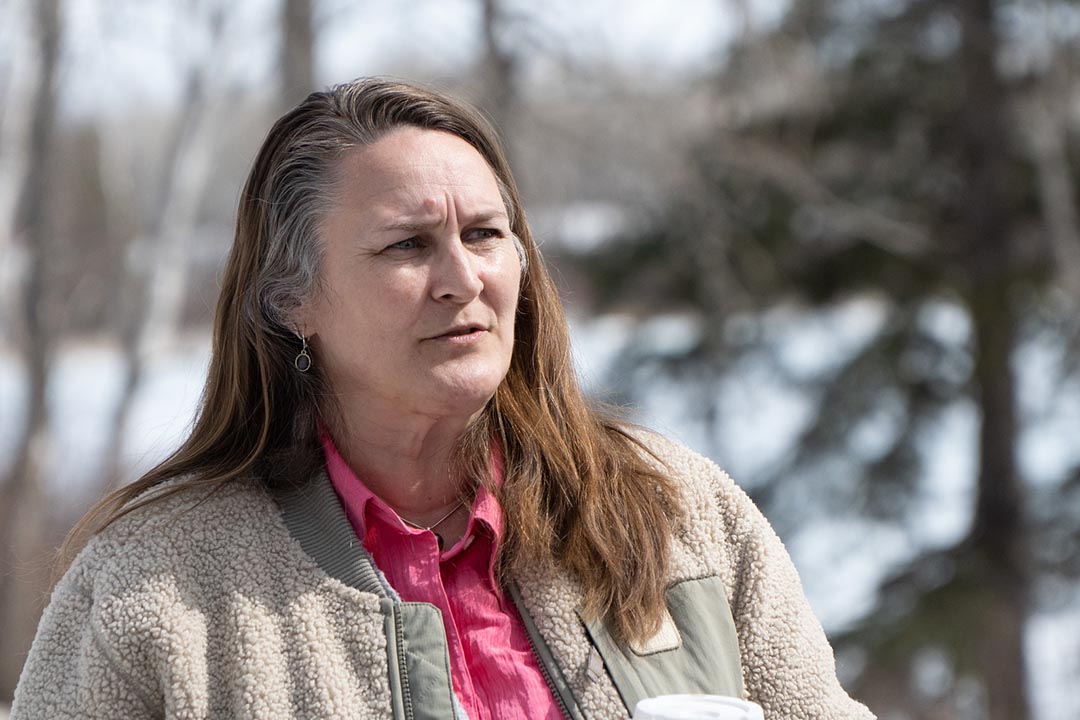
[[423, 662], [701, 657]]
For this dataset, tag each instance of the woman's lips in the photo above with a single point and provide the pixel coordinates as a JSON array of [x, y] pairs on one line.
[[461, 336]]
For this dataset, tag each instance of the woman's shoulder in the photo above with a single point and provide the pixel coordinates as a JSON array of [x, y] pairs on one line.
[[691, 469], [191, 534], [720, 521], [185, 512]]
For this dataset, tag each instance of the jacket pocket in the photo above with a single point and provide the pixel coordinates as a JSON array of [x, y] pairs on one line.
[[696, 650]]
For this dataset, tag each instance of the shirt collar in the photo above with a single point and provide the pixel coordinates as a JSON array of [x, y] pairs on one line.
[[362, 506]]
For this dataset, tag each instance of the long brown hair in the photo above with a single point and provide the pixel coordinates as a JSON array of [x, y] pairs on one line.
[[579, 493]]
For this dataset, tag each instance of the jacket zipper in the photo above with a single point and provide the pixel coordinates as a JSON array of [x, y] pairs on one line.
[[544, 670], [547, 678], [403, 671]]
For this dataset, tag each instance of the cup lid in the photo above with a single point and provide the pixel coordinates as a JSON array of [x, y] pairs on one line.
[[697, 707]]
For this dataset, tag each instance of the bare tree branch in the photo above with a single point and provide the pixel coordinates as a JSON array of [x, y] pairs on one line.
[[1047, 117], [773, 164]]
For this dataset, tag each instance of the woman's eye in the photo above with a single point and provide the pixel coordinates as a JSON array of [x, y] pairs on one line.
[[412, 243], [485, 234]]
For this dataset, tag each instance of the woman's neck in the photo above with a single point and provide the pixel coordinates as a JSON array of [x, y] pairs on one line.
[[405, 462]]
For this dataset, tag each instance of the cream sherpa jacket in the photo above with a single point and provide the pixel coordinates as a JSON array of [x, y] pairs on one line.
[[251, 605]]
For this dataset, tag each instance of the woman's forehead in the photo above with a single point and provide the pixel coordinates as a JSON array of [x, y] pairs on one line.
[[419, 173], [411, 156]]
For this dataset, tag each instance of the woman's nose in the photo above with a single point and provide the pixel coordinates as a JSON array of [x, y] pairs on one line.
[[456, 273]]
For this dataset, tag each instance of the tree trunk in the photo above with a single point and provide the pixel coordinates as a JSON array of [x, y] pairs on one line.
[[998, 531], [498, 71], [297, 51], [155, 290], [21, 507], [1049, 115]]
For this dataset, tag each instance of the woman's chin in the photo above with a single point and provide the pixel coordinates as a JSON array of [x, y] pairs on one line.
[[463, 399]]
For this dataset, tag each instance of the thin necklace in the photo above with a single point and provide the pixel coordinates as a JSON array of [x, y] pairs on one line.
[[437, 523]]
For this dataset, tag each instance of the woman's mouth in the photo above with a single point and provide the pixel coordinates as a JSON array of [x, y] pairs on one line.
[[462, 335]]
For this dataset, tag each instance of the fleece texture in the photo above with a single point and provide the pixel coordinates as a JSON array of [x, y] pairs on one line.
[[210, 609]]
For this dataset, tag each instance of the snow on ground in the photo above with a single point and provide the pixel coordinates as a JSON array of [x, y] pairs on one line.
[[1054, 656], [82, 398]]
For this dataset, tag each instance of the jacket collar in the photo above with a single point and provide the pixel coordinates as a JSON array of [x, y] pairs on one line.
[[314, 517]]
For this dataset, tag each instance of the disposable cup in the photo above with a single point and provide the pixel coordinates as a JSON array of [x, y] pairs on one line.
[[697, 707]]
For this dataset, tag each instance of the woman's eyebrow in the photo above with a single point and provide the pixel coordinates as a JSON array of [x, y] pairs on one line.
[[405, 226], [414, 225], [487, 216]]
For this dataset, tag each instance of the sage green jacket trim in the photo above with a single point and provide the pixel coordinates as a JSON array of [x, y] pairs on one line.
[[705, 659], [314, 516], [424, 662]]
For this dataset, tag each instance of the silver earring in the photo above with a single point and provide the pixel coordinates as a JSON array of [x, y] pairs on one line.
[[302, 362]]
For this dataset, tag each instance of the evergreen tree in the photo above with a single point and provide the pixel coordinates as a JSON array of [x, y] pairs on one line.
[[884, 151]]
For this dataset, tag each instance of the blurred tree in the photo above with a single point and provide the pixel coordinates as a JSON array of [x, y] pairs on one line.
[[21, 500], [874, 151], [154, 288], [297, 51], [498, 66]]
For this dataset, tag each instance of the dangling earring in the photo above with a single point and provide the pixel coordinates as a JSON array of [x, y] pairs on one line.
[[302, 362]]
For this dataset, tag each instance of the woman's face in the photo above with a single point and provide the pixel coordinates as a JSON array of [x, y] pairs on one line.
[[420, 276]]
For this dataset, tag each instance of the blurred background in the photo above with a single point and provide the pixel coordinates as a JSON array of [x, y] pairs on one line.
[[832, 244]]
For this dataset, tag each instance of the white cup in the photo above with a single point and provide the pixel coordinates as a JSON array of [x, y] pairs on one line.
[[697, 707]]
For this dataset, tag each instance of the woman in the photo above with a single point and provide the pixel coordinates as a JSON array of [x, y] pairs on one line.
[[395, 501]]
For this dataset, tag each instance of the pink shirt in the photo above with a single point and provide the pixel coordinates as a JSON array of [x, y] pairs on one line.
[[492, 667]]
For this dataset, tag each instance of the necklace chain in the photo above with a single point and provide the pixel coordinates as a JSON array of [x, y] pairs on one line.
[[435, 524]]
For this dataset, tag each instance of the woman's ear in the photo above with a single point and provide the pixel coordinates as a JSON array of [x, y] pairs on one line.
[[301, 320]]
